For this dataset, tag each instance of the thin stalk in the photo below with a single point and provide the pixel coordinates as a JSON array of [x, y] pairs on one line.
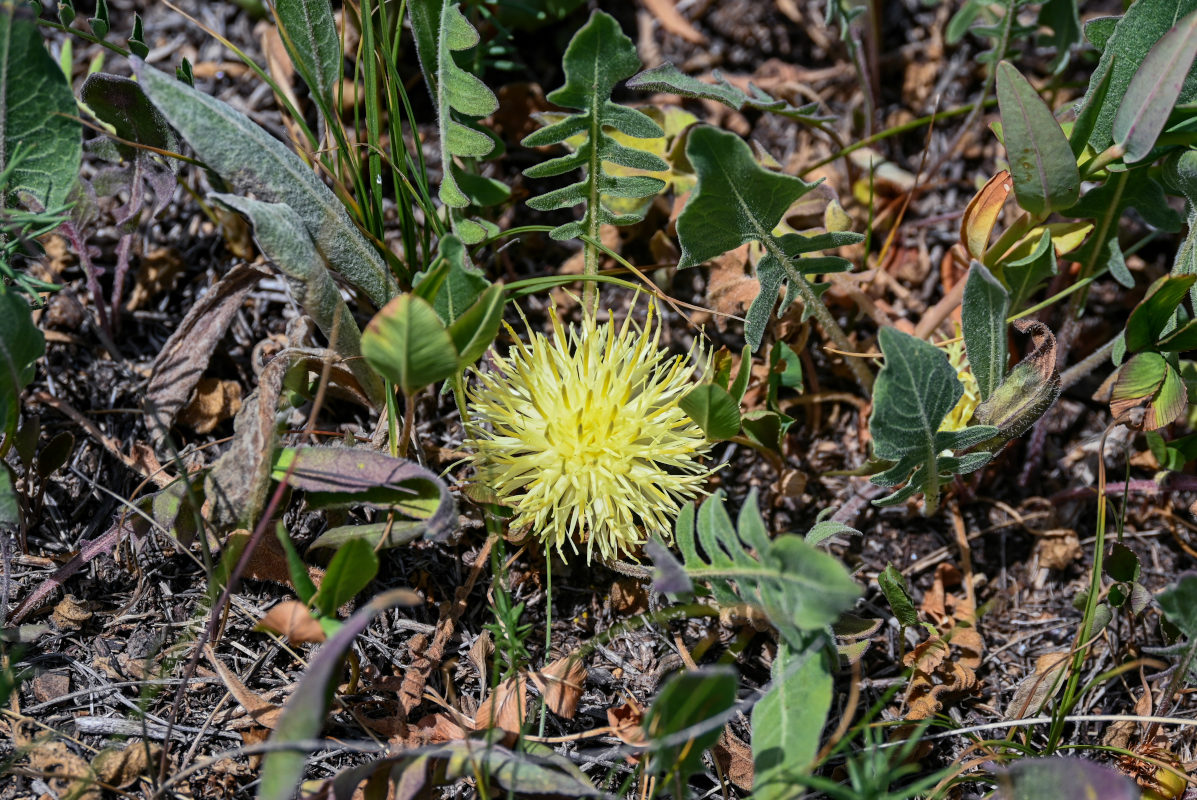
[[1083, 367], [814, 305], [548, 628], [409, 419]]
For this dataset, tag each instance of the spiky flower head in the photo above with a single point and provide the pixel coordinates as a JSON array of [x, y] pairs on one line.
[[958, 418], [581, 434]]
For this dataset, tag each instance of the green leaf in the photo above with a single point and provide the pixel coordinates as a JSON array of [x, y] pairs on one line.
[[1148, 383], [282, 237], [298, 570], [715, 411], [737, 201], [254, 162], [121, 103], [10, 503], [409, 345], [453, 284], [1135, 33], [460, 97], [787, 722], [307, 710], [137, 45], [100, 23], [21, 344], [915, 390], [766, 428], [799, 587], [350, 571], [476, 329], [667, 78], [893, 586], [1064, 778], [380, 535], [1154, 89], [350, 476], [1157, 310], [39, 141], [1041, 162], [1121, 564], [983, 317], [696, 699], [1179, 604], [598, 57], [1062, 19], [310, 34]]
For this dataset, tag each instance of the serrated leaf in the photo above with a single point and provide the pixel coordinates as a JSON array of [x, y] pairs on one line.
[[1045, 174], [983, 318], [598, 57], [915, 390], [408, 344], [40, 142], [787, 722], [736, 201], [800, 588], [283, 239], [714, 409], [254, 162], [1134, 34], [1154, 89]]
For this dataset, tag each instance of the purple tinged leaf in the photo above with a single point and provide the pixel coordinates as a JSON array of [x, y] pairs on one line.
[[1045, 174], [307, 710], [668, 577], [1154, 90], [1064, 779]]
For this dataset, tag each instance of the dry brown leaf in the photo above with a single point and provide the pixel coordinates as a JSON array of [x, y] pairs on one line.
[[70, 613], [209, 70], [263, 712], [673, 22], [157, 272], [981, 214], [278, 61], [185, 356], [1038, 687], [627, 723], [120, 767], [438, 728], [214, 401], [479, 653], [730, 290], [628, 596], [1058, 549], [268, 562], [49, 686], [66, 774], [505, 708], [292, 620], [561, 684], [735, 759]]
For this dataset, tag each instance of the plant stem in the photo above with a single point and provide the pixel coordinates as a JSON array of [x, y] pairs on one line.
[[1086, 365], [548, 627], [815, 306]]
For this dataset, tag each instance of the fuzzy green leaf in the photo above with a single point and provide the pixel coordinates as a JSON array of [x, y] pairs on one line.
[[598, 57], [39, 141], [688, 700], [1041, 162], [1157, 310], [314, 45], [254, 162], [799, 587], [1154, 89], [915, 390], [281, 235], [737, 201], [787, 722], [893, 586], [1026, 393], [983, 317], [1134, 34]]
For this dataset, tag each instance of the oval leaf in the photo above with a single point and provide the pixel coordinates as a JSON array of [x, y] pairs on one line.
[[1044, 170], [1154, 90], [715, 411], [407, 343]]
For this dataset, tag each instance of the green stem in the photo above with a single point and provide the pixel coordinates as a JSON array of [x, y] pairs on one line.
[[548, 627], [392, 419], [815, 306]]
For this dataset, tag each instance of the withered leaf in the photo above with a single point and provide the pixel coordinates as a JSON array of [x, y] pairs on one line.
[[292, 619], [505, 708], [561, 684], [1038, 687]]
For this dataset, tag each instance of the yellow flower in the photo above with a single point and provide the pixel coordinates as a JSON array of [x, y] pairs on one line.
[[958, 417], [582, 435]]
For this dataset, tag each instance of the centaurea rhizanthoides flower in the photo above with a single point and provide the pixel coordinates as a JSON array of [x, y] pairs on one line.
[[580, 433]]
